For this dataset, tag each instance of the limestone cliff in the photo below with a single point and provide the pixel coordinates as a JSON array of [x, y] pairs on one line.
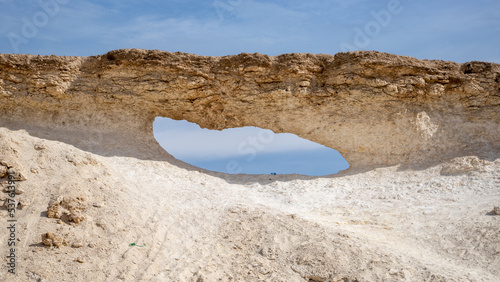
[[376, 109]]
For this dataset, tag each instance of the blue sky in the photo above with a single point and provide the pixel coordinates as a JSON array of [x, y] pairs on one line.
[[249, 150], [455, 30]]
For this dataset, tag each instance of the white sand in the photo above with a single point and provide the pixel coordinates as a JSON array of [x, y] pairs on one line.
[[388, 224]]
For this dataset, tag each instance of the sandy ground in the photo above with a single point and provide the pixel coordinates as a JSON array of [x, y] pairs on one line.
[[387, 224]]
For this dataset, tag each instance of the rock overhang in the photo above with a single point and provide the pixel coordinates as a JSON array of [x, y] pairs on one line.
[[377, 109]]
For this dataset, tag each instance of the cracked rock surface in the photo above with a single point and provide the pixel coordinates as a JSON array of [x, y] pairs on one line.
[[376, 109]]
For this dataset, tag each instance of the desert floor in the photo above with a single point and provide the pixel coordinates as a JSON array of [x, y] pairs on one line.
[[433, 223]]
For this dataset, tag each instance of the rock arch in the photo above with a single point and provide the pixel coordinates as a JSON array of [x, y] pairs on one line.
[[392, 109]]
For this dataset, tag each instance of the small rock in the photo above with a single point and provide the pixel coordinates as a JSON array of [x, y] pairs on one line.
[[24, 202], [304, 83], [67, 207], [100, 224], [393, 271], [17, 175], [234, 210], [18, 190], [39, 147], [3, 171], [10, 205], [463, 165], [50, 239], [6, 164], [496, 210], [80, 260], [78, 244]]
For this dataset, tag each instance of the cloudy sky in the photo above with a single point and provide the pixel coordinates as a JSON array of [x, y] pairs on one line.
[[454, 30], [246, 150]]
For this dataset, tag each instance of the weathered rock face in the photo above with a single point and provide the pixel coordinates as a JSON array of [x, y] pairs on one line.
[[376, 109]]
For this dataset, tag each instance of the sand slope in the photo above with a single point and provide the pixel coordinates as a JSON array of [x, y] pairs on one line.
[[388, 224]]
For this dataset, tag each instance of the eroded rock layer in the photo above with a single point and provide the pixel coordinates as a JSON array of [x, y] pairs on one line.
[[376, 109]]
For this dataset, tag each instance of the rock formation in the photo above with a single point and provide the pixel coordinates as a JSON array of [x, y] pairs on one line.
[[376, 109], [86, 172]]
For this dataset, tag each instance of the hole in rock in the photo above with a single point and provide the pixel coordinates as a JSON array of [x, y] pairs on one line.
[[248, 150]]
